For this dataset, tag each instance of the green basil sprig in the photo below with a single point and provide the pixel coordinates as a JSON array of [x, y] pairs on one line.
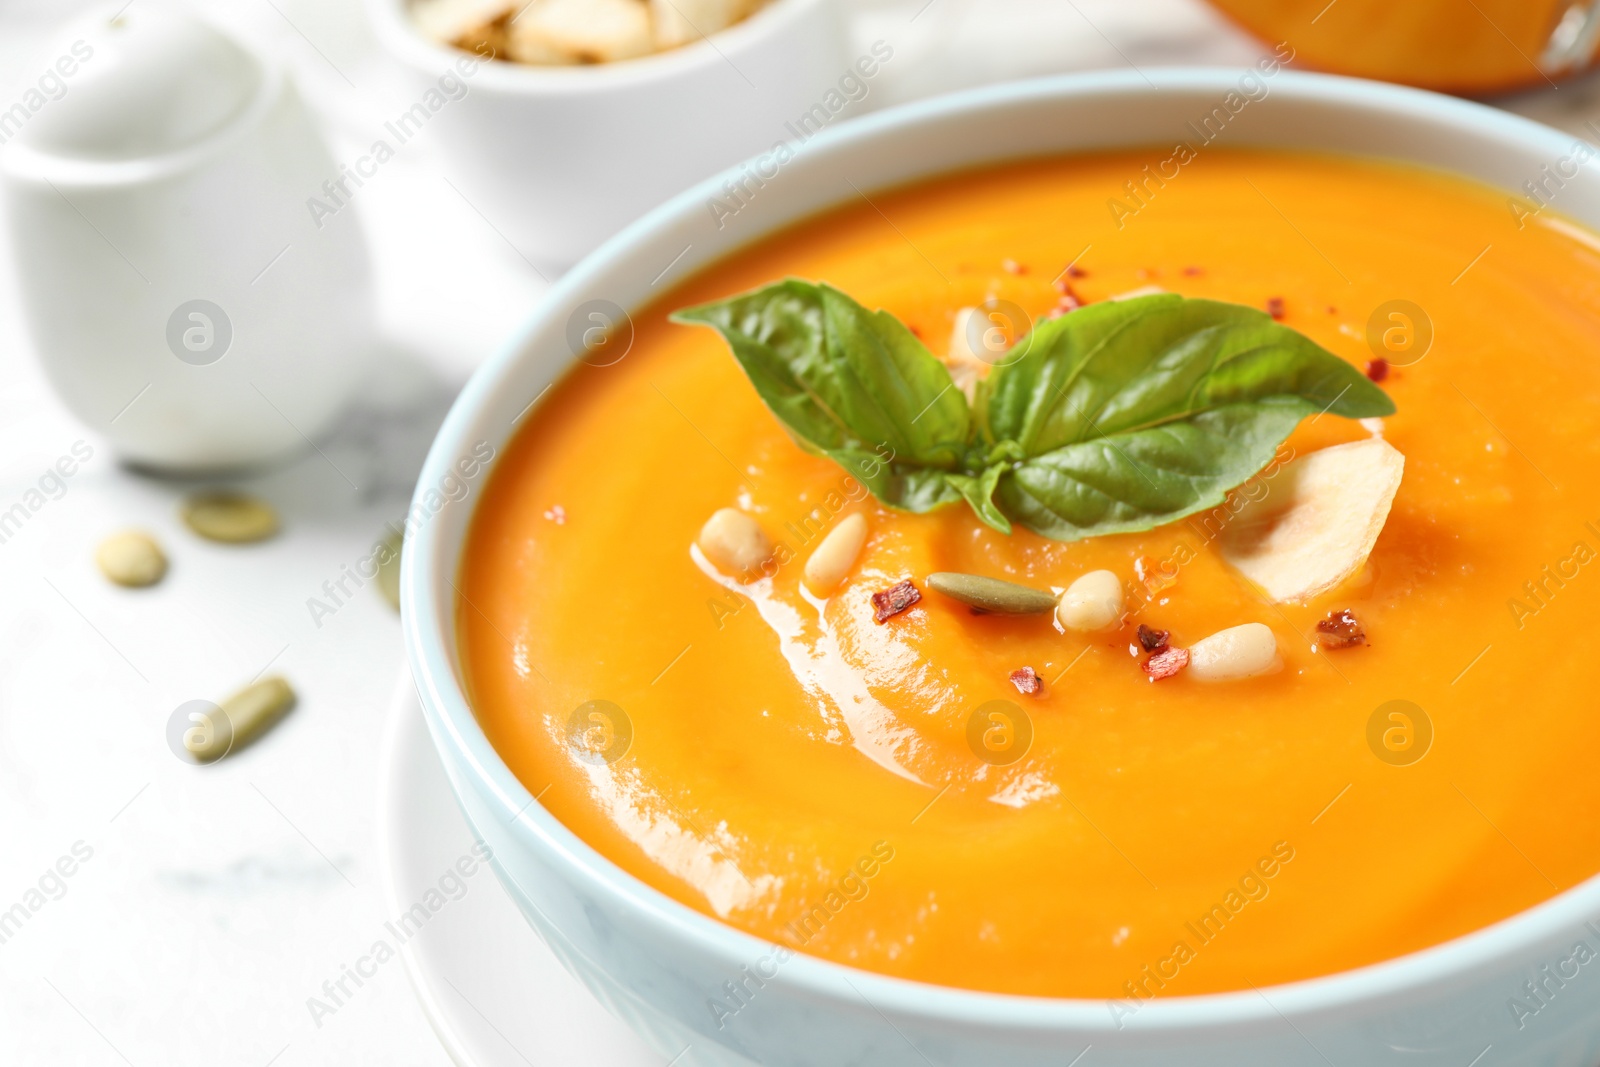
[[1121, 416]]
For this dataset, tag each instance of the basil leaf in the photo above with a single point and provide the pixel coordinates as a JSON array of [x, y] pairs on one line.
[[1140, 480], [1134, 413], [902, 485], [1122, 366], [1119, 417], [843, 379], [979, 492]]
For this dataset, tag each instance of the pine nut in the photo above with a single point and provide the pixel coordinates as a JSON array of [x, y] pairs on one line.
[[1093, 602], [1237, 652], [961, 351], [735, 543], [833, 558]]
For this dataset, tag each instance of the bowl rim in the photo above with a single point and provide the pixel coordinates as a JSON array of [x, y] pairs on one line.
[[401, 38], [428, 625]]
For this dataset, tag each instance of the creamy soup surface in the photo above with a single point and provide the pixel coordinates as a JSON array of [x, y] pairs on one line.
[[802, 772]]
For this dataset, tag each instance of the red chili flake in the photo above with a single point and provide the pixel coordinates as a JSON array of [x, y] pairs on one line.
[[1075, 271], [893, 600], [1068, 301], [1011, 266], [1153, 575], [1027, 680], [1153, 640], [1275, 306], [1193, 271], [1340, 629], [915, 332], [1377, 369], [1166, 663]]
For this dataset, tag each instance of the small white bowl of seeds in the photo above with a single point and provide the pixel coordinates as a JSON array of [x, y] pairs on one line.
[[561, 121], [561, 33]]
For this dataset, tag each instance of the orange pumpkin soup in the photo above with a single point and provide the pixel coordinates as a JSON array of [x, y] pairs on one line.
[[788, 764]]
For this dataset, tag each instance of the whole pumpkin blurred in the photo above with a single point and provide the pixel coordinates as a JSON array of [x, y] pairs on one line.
[[1472, 47]]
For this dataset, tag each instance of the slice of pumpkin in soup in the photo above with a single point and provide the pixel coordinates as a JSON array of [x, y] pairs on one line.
[[1318, 521]]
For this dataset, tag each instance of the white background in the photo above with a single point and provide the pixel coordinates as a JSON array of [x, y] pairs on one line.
[[219, 899]]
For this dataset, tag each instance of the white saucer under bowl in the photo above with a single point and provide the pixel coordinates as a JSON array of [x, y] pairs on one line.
[[494, 993]]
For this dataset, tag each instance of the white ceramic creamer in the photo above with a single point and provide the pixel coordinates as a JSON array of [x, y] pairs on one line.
[[183, 301]]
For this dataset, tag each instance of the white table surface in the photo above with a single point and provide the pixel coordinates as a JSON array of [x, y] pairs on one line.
[[217, 900]]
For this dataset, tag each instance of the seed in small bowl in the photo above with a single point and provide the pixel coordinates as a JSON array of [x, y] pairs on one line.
[[1237, 652], [132, 558], [735, 543], [991, 595], [837, 553], [1093, 602], [232, 518], [580, 31]]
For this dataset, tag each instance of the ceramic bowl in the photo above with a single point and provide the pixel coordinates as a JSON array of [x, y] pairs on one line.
[[658, 963], [560, 158]]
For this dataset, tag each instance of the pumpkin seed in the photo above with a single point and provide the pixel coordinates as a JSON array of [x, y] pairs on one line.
[[991, 594], [389, 568], [229, 517], [248, 714], [131, 558]]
